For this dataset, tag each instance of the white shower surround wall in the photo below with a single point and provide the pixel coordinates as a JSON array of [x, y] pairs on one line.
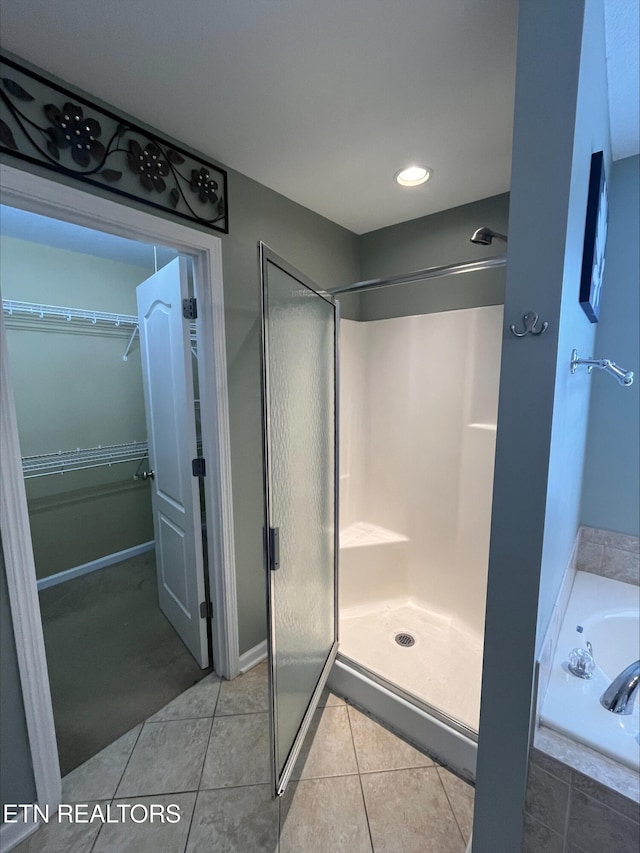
[[419, 402]]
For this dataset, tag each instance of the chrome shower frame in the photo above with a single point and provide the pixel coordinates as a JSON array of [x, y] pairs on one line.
[[420, 275]]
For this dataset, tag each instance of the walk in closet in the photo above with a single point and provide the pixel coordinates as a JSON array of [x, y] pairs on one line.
[[72, 323]]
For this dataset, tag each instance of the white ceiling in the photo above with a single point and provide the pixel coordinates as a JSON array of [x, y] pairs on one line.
[[322, 100], [74, 238]]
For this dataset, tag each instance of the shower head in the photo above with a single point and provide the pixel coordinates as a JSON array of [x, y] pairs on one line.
[[485, 236]]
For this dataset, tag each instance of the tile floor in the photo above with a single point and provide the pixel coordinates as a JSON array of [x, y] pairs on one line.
[[357, 787]]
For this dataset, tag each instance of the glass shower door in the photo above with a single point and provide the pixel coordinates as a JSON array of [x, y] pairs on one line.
[[299, 357]]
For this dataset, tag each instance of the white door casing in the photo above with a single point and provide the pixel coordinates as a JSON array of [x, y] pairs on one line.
[[167, 375], [47, 197]]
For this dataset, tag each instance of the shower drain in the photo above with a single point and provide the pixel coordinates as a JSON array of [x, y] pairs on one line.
[[405, 640]]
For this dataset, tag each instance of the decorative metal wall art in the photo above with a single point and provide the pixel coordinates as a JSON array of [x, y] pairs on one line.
[[46, 124]]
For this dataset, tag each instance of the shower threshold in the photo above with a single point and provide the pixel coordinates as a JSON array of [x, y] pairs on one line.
[[449, 741]]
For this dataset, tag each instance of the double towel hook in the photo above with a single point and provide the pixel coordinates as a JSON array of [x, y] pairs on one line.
[[530, 320]]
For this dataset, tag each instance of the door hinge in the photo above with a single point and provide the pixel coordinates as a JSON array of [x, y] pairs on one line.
[[274, 548], [190, 308], [199, 466], [206, 609]]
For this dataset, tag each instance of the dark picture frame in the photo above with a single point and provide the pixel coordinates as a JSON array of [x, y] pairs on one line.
[[595, 239]]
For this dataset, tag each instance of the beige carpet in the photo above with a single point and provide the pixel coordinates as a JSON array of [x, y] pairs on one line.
[[113, 657]]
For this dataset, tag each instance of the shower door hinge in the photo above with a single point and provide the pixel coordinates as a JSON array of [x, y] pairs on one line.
[[190, 308], [274, 548], [206, 609], [199, 466]]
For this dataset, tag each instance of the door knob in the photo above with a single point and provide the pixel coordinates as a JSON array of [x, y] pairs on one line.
[[148, 475]]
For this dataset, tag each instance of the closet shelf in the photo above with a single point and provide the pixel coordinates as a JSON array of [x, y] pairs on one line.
[[77, 460], [36, 311], [13, 308]]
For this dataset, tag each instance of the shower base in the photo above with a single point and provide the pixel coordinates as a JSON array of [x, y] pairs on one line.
[[443, 668]]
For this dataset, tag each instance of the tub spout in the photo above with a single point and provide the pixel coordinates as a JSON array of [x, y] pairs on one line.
[[621, 693]]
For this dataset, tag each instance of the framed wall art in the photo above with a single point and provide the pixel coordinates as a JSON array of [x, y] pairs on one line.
[[595, 240]]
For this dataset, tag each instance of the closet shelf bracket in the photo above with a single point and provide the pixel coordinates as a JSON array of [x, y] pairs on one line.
[[125, 357]]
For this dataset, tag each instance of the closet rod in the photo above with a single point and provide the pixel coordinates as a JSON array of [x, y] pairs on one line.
[[59, 312], [80, 459], [85, 467]]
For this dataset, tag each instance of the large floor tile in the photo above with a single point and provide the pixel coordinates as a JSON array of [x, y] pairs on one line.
[[199, 701], [461, 798], [324, 816], [408, 811], [238, 752], [134, 834], [235, 820], [246, 694], [168, 757], [379, 749], [63, 837], [328, 748], [98, 777]]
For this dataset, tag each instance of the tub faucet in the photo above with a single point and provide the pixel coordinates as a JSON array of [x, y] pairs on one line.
[[621, 693]]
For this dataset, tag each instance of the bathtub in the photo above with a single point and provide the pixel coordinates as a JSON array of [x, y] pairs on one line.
[[608, 611]]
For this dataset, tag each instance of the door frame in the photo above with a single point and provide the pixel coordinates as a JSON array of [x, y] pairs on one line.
[[47, 197]]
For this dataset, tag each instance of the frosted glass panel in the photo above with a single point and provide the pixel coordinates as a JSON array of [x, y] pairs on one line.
[[300, 330]]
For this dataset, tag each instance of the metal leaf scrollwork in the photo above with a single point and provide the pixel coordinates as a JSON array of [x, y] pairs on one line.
[[73, 131], [6, 137], [62, 132], [16, 90]]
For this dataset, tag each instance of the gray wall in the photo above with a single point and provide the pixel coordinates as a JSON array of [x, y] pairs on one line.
[[442, 238], [572, 392], [72, 389], [561, 116], [611, 495], [327, 254], [17, 784]]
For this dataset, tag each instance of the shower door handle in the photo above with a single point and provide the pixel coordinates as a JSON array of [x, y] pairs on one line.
[[274, 548]]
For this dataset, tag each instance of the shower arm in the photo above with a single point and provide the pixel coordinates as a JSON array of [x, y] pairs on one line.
[[624, 377]]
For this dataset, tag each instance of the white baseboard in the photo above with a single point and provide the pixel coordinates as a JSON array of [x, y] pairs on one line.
[[253, 657], [11, 834], [94, 565]]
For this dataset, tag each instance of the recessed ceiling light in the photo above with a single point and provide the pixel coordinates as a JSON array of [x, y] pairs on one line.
[[413, 176]]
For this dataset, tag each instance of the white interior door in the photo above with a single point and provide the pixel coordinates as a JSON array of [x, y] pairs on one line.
[[169, 404]]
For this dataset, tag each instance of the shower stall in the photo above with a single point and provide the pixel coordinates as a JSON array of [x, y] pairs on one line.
[[418, 409]]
